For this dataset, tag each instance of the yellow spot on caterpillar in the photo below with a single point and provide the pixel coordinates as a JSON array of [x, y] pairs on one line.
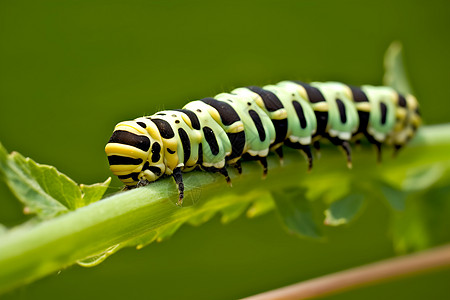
[[236, 127], [348, 91], [320, 106], [400, 113], [215, 115], [280, 114], [186, 120], [130, 127], [363, 106], [302, 92], [124, 150], [259, 102], [124, 169]]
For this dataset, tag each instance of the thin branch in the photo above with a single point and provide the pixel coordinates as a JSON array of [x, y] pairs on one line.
[[365, 275]]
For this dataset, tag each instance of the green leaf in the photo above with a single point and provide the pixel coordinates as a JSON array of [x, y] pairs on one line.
[[3, 229], [232, 212], [145, 239], [94, 192], [43, 189], [395, 197], [436, 206], [97, 259], [262, 204], [328, 187], [423, 177], [19, 174], [408, 228], [167, 231], [344, 210], [138, 242], [395, 74], [296, 212], [201, 217], [54, 183], [424, 222]]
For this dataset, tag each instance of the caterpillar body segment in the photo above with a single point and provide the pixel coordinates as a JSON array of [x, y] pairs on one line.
[[248, 122]]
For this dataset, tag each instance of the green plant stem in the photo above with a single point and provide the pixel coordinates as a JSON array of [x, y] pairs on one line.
[[360, 276], [432, 135], [29, 253]]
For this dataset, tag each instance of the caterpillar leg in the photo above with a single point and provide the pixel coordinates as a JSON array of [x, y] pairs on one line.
[[142, 182], [306, 149], [378, 149], [129, 187], [377, 144], [348, 151], [238, 167], [396, 150], [180, 185], [263, 161], [279, 152], [316, 146], [224, 172]]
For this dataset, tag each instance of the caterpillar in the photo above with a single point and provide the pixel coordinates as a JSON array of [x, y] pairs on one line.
[[248, 122]]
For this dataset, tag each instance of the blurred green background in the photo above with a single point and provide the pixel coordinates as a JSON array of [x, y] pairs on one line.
[[70, 70]]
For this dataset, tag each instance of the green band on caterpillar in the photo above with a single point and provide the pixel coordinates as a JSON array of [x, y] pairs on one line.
[[248, 122]]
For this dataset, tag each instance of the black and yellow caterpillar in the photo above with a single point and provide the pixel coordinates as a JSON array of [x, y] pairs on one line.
[[248, 122]]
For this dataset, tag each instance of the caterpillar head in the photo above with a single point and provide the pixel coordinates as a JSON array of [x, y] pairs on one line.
[[135, 151]]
